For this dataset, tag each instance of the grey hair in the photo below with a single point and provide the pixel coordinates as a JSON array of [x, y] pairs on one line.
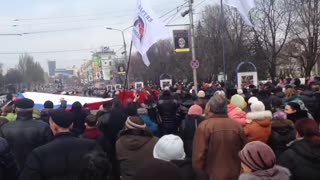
[[218, 104]]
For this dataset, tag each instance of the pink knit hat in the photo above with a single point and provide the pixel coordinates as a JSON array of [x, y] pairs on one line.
[[257, 156], [195, 110]]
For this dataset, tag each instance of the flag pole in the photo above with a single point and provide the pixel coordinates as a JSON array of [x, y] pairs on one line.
[[126, 82]]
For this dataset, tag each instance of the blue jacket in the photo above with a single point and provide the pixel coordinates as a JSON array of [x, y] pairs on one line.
[[150, 124]]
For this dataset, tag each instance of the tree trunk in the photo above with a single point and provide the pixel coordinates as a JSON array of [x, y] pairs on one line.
[[308, 71], [272, 71]]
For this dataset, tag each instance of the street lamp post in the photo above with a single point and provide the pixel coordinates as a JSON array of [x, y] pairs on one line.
[[124, 45]]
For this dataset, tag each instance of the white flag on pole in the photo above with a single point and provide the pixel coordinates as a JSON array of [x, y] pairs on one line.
[[243, 6], [147, 29]]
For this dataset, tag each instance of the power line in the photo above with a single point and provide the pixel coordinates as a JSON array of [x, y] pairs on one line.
[[67, 29], [76, 16], [174, 17], [199, 3], [174, 9], [180, 6], [62, 22], [10, 34], [89, 27], [69, 17], [57, 51]]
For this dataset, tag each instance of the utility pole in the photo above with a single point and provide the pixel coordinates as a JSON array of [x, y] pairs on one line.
[[193, 52], [124, 47], [224, 41]]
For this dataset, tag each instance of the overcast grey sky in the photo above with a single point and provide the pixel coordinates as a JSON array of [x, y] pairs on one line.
[[87, 19]]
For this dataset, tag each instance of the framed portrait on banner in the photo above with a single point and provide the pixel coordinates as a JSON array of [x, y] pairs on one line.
[[165, 83], [245, 79], [138, 85], [181, 41]]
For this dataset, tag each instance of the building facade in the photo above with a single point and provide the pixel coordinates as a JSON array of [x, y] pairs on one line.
[[52, 68]]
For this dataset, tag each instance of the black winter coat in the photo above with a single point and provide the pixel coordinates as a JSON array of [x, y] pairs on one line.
[[24, 135], [297, 116], [277, 98], [44, 115], [168, 108], [118, 117], [61, 159], [188, 172], [282, 134], [3, 121], [78, 123], [317, 115], [8, 167], [187, 129], [310, 102], [303, 160]]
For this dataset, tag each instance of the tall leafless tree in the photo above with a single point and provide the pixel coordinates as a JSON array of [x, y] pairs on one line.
[[306, 33], [32, 72], [273, 21]]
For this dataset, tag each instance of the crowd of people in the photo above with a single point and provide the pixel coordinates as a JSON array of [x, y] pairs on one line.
[[266, 132]]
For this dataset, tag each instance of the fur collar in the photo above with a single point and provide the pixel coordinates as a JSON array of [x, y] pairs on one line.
[[259, 115]]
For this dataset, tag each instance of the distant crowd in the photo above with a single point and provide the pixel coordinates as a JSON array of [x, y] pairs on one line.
[[266, 132]]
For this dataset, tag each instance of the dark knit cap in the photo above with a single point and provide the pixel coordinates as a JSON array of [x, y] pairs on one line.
[[135, 122], [156, 169], [24, 103], [257, 156], [61, 117], [48, 105]]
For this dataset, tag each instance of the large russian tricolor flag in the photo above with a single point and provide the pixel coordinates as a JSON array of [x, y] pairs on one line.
[[40, 98]]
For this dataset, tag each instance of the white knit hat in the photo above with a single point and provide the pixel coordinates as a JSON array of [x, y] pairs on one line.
[[169, 147], [252, 100], [201, 94], [257, 106]]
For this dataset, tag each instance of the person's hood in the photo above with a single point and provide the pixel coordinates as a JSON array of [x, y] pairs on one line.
[[307, 93], [298, 115], [282, 127], [232, 107], [261, 115], [263, 118], [282, 123], [307, 151], [134, 141], [277, 172], [293, 98]]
